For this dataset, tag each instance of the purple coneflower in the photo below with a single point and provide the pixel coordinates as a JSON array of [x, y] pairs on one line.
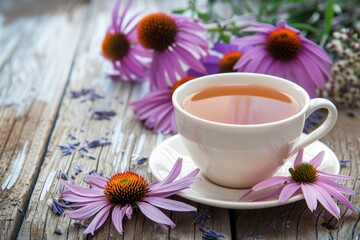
[[123, 193], [121, 46], [176, 42], [156, 108], [229, 55], [281, 51], [315, 185]]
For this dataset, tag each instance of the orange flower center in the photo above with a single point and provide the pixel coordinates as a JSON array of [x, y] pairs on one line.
[[228, 61], [180, 82], [115, 46], [156, 31], [304, 173], [283, 44], [125, 188]]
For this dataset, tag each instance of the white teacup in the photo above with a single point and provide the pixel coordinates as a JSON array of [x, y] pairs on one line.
[[239, 156]]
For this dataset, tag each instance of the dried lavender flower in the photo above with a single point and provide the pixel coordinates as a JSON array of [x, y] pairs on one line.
[[79, 224], [71, 136], [201, 216], [344, 162], [77, 170], [103, 114], [81, 92], [68, 149], [142, 160], [211, 234], [58, 232], [98, 143], [94, 96], [58, 208]]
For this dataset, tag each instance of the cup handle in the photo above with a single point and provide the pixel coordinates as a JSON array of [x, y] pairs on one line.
[[324, 128]]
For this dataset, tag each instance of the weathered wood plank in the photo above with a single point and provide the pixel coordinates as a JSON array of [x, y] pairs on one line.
[[295, 221], [129, 139], [37, 45]]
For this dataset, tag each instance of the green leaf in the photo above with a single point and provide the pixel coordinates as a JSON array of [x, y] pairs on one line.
[[224, 38], [329, 15], [203, 16], [180, 10]]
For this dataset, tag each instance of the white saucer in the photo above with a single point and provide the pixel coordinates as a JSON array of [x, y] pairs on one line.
[[164, 156]]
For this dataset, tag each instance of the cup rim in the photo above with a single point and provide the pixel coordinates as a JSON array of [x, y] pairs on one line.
[[185, 85]]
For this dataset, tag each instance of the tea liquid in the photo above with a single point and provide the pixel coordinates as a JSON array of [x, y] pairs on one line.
[[241, 104]]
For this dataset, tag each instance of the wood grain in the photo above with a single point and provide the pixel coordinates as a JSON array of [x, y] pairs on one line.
[[48, 49], [129, 140], [35, 59]]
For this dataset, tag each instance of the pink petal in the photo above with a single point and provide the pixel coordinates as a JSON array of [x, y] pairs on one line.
[[128, 211], [335, 176], [270, 182], [127, 6], [169, 204], [299, 158], [189, 59], [316, 161], [84, 192], [337, 196], [154, 214], [173, 174], [70, 197], [310, 196], [97, 181], [288, 191], [98, 220], [327, 201], [338, 187], [117, 217], [88, 210]]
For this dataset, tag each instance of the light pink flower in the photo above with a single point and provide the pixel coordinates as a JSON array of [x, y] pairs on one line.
[[315, 185], [123, 193], [177, 42], [281, 51], [120, 46]]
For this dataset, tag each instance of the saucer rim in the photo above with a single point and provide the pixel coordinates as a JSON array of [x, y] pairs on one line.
[[233, 204]]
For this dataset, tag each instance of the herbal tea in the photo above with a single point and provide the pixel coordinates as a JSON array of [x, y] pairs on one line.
[[241, 104]]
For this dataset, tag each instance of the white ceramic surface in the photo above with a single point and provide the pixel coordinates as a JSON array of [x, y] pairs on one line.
[[227, 152], [164, 156]]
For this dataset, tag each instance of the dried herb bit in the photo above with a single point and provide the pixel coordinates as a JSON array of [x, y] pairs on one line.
[[77, 170], [103, 114], [98, 143], [201, 216], [351, 114], [94, 96], [58, 208], [81, 92], [71, 136], [57, 232], [67, 150], [63, 175], [142, 160], [95, 173], [79, 224], [344, 162], [211, 234]]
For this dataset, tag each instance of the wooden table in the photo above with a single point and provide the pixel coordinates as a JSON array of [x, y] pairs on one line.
[[50, 48]]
